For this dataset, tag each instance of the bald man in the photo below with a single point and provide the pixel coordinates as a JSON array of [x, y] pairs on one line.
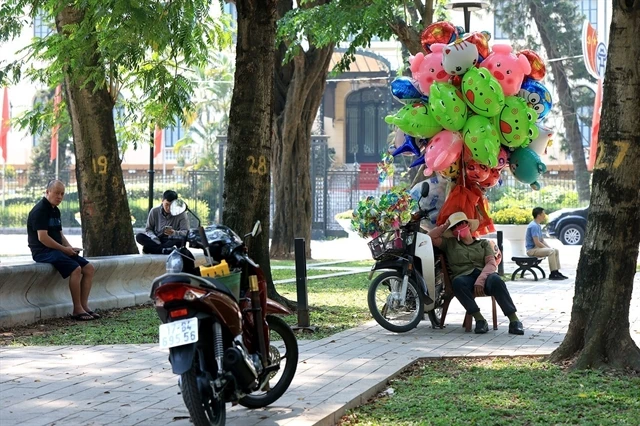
[[49, 245]]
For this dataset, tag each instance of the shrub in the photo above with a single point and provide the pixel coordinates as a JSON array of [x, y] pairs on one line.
[[345, 215], [512, 216]]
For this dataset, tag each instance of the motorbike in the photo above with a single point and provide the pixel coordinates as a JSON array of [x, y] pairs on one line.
[[223, 334], [414, 281]]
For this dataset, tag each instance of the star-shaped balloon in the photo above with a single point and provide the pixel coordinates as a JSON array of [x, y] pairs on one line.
[[418, 161], [410, 145]]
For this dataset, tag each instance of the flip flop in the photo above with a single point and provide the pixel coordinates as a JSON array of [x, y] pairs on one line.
[[82, 317], [93, 314]]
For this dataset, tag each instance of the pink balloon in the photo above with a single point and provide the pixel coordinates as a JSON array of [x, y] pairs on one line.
[[503, 159], [507, 68], [426, 69], [442, 151]]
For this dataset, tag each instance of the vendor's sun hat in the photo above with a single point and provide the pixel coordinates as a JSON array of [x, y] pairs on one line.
[[458, 217]]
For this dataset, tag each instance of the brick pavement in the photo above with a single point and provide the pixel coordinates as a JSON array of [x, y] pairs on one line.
[[133, 384]]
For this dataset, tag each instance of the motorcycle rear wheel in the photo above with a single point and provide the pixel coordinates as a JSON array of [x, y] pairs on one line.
[[204, 410], [281, 335], [384, 290]]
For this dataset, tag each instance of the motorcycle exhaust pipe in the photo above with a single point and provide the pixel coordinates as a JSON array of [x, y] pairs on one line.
[[241, 368]]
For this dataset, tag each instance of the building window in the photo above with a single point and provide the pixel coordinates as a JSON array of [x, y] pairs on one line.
[[42, 26], [230, 9], [589, 9], [498, 32], [173, 134], [366, 130]]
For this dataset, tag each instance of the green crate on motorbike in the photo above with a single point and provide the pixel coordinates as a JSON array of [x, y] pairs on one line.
[[232, 282]]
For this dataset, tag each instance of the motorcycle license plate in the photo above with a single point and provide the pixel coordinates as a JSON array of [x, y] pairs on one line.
[[178, 333]]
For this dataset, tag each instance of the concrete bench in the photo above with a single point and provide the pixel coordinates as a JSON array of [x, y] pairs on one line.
[[31, 291]]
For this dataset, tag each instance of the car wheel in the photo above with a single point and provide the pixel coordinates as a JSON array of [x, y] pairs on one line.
[[572, 235]]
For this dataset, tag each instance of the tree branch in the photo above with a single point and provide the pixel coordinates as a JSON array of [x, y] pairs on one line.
[[420, 7], [407, 35]]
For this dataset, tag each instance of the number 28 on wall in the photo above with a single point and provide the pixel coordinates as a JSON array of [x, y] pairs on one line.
[[258, 166]]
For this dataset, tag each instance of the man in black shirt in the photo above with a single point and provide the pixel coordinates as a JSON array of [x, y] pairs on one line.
[[49, 245]]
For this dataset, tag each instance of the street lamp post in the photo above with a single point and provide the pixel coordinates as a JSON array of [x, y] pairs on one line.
[[467, 7]]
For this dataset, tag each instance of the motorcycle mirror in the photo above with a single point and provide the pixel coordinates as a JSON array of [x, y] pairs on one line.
[[257, 229], [424, 189], [178, 207]]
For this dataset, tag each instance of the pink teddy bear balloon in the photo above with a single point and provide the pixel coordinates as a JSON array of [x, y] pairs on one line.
[[443, 150], [507, 68], [426, 69]]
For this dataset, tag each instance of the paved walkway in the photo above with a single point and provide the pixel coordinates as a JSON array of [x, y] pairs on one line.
[[133, 384]]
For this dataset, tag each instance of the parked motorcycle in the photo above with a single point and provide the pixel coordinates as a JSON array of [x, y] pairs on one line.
[[414, 285], [224, 338]]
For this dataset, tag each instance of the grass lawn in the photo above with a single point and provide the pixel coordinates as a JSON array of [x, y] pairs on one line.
[[335, 304], [502, 391]]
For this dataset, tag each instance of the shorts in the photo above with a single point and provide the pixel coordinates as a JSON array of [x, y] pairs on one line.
[[63, 263]]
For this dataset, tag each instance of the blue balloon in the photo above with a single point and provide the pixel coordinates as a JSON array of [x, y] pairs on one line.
[[418, 161], [410, 145], [405, 90], [537, 96]]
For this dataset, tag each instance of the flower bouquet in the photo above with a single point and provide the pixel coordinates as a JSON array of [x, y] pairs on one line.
[[376, 216]]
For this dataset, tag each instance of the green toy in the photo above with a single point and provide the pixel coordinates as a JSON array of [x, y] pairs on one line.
[[526, 166], [415, 120], [447, 107], [482, 140], [482, 92], [516, 123]]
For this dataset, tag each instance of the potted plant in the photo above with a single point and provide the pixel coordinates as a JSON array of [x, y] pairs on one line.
[[513, 221], [344, 220]]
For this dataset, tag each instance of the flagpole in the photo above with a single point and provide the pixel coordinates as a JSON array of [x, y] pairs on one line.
[[57, 166], [4, 182]]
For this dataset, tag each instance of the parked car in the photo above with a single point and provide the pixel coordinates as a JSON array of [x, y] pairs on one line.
[[568, 225]]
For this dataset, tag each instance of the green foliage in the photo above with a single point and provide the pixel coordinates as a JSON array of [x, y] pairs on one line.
[[551, 198], [512, 216], [502, 391], [145, 47]]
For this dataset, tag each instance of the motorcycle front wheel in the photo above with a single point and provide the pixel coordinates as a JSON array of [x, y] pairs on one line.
[[204, 409], [283, 350], [384, 303]]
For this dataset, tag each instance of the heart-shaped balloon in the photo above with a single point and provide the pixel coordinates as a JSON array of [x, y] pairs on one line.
[[538, 68]]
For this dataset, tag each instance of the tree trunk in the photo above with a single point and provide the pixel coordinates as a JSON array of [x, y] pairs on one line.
[[567, 105], [299, 87], [598, 333], [104, 210], [247, 180]]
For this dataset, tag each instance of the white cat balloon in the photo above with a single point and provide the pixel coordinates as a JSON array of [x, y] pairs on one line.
[[459, 56]]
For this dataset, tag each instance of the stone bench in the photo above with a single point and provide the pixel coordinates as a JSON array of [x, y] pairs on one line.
[[31, 291]]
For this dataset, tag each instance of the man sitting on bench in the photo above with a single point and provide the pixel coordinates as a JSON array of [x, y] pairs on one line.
[[536, 246]]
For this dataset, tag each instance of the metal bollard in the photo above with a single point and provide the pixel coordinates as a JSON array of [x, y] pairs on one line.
[[501, 265], [301, 286]]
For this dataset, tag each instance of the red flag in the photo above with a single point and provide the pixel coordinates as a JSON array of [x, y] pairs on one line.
[[5, 125], [157, 142], [595, 127], [54, 133]]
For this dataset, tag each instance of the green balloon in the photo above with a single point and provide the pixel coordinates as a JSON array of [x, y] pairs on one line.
[[482, 92], [415, 120], [447, 107], [517, 123], [482, 140]]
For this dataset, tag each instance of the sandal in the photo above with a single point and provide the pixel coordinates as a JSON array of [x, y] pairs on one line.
[[82, 317], [93, 314]]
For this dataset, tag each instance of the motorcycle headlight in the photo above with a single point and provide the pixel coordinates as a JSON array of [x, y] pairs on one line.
[[174, 263]]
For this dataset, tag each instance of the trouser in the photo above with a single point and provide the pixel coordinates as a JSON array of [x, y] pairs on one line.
[[151, 247], [494, 286], [552, 255]]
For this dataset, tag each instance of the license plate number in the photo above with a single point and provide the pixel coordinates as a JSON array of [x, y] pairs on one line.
[[179, 333]]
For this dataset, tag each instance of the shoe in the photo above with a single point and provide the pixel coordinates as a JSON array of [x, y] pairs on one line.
[[561, 275], [515, 327], [82, 317], [94, 315], [481, 327], [556, 276]]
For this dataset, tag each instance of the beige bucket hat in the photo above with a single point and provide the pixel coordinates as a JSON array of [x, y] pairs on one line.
[[458, 217]]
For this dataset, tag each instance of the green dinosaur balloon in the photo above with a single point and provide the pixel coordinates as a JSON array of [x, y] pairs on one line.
[[482, 139], [517, 123], [447, 107], [526, 166], [415, 120], [482, 92]]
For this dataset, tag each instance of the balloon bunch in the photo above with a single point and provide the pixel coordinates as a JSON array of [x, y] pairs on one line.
[[375, 216], [471, 109]]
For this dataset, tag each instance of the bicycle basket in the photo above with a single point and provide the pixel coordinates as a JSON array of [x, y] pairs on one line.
[[388, 246]]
